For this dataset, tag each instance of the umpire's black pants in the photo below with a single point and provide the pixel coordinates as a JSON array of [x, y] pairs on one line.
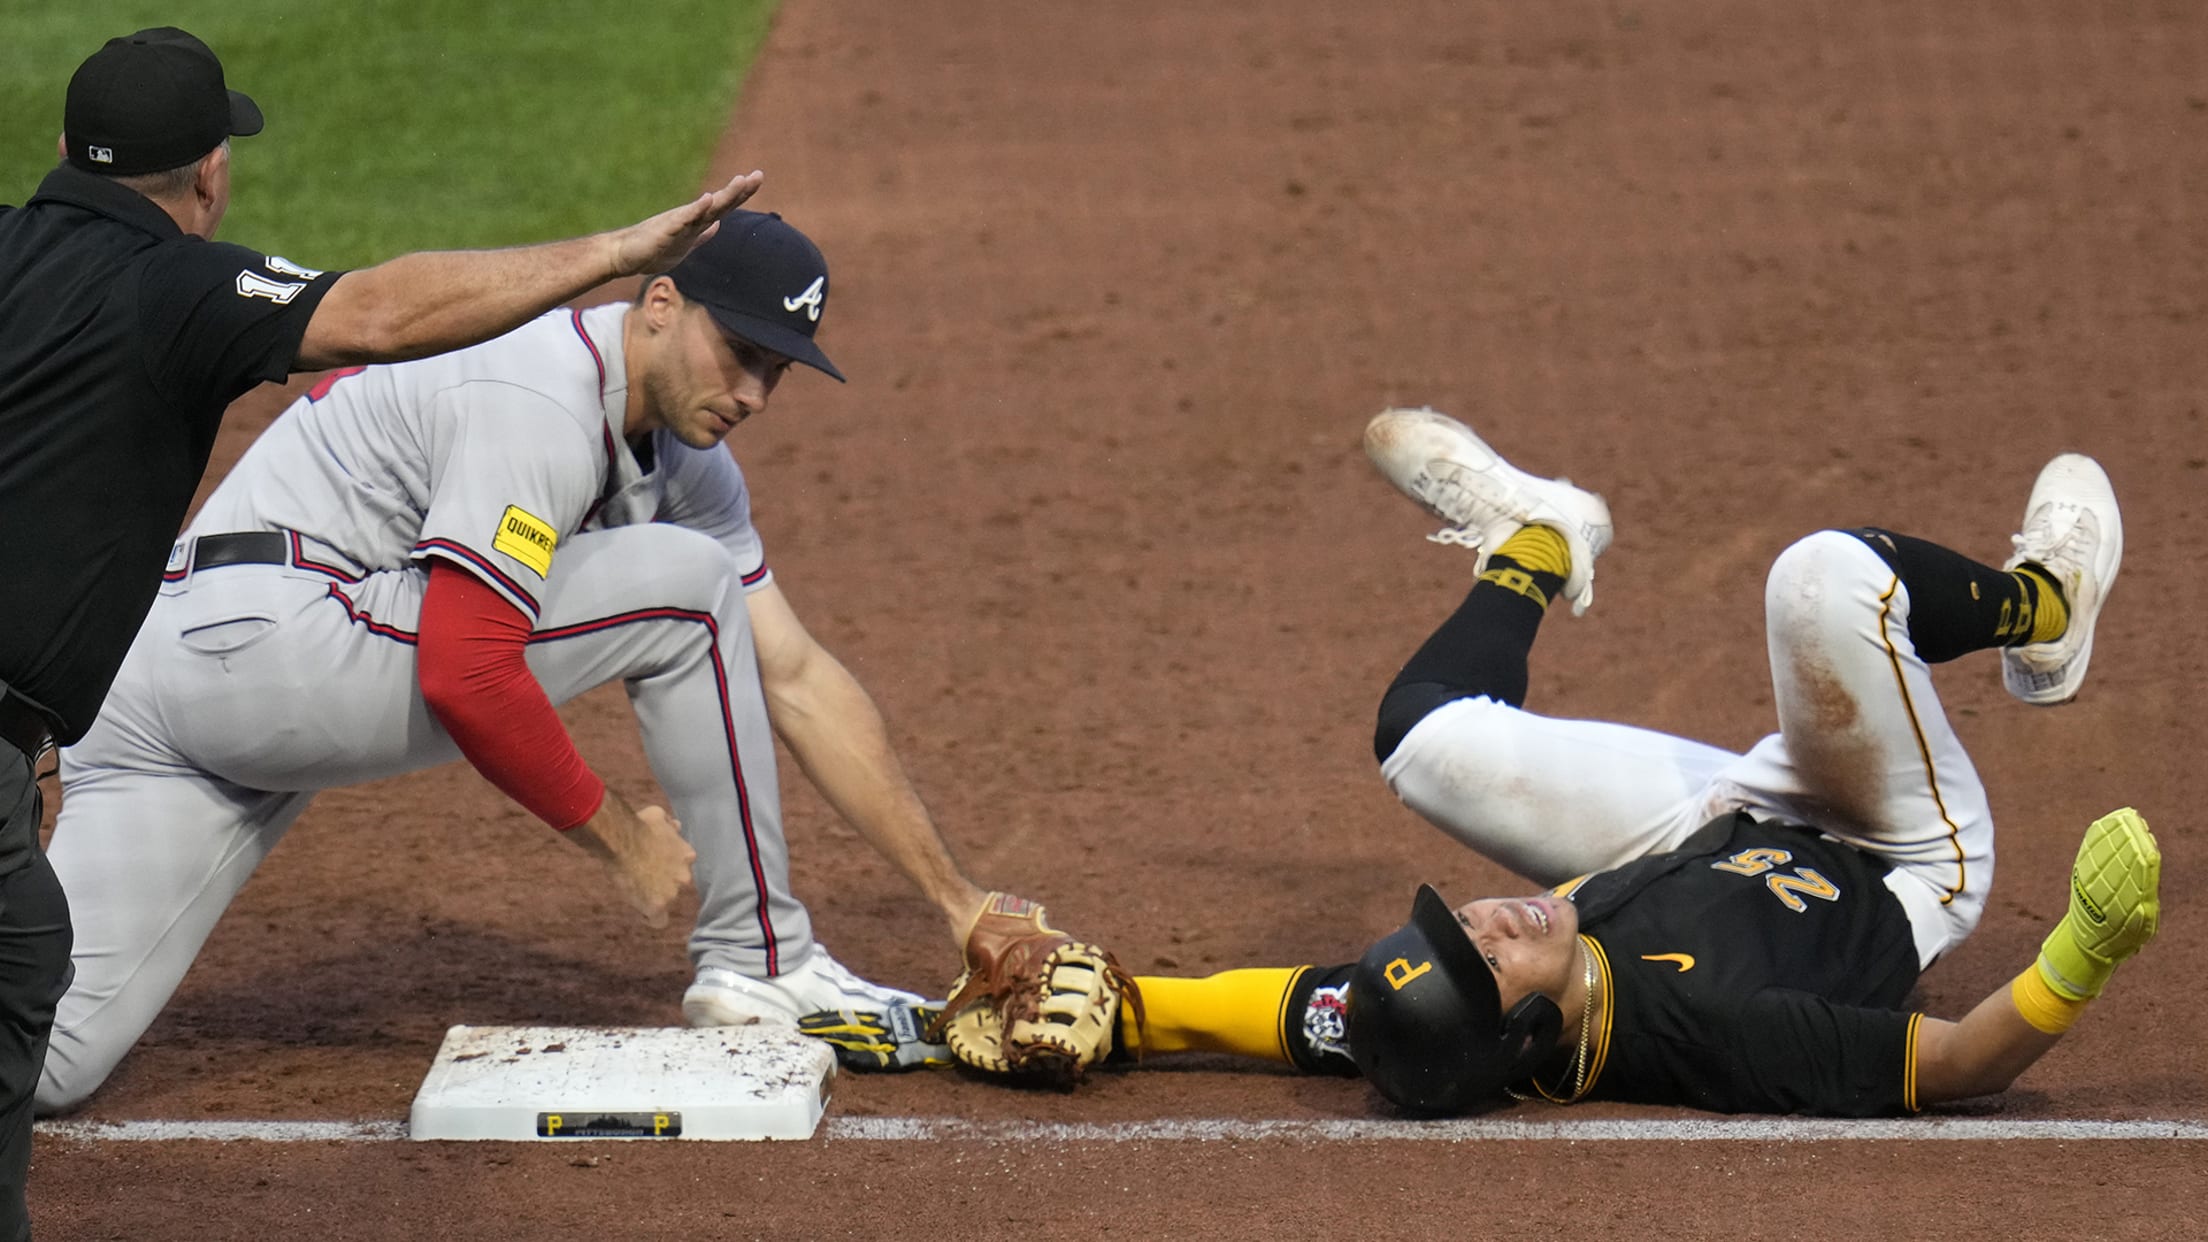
[[34, 971]]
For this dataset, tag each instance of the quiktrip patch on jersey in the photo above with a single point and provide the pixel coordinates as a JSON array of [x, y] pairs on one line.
[[527, 538]]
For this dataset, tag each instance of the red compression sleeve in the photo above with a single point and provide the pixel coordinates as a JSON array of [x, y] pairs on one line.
[[477, 682]]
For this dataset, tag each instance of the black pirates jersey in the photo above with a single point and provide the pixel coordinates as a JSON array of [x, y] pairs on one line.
[[1757, 969]]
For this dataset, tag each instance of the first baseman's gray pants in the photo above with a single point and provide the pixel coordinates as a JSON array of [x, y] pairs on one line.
[[252, 687]]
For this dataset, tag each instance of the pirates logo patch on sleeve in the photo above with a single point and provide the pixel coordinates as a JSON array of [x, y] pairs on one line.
[[1326, 1021], [527, 538]]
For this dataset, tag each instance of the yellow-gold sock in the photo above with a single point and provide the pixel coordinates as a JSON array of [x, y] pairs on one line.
[[1538, 550], [1533, 563], [1235, 1011], [2051, 615]]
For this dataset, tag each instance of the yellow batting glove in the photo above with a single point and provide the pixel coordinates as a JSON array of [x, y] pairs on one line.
[[867, 1041], [2115, 902]]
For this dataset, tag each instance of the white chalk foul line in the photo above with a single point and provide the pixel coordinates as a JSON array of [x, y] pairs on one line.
[[225, 1131], [952, 1129], [1777, 1129]]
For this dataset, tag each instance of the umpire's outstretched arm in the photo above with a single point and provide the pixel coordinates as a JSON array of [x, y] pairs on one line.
[[431, 303], [434, 302]]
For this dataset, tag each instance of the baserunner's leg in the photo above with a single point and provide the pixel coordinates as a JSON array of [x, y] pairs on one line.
[[1550, 799], [1865, 751]]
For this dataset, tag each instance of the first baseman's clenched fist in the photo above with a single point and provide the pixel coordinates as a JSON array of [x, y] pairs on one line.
[[645, 852]]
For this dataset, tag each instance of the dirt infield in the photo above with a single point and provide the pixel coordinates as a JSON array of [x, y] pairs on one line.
[[1117, 287]]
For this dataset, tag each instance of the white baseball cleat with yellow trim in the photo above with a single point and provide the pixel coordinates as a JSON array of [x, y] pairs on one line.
[[2073, 530], [1453, 475]]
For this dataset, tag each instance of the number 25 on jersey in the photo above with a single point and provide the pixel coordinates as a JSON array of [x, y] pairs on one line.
[[1789, 887]]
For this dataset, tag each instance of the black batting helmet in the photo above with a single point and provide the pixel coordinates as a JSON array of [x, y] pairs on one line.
[[1426, 1021]]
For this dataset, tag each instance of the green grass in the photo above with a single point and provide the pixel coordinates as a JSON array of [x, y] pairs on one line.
[[397, 125]]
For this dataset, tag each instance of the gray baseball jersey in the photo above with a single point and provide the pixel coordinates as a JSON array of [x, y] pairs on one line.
[[253, 685], [487, 457]]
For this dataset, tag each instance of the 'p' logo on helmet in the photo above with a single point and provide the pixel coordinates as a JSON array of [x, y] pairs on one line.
[[1400, 972]]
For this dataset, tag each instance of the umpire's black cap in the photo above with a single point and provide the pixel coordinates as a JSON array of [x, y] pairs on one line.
[[764, 281], [151, 101], [1426, 1023]]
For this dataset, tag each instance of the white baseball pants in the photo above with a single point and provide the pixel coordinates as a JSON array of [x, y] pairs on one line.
[[1863, 754]]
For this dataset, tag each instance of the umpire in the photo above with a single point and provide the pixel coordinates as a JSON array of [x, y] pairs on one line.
[[125, 332]]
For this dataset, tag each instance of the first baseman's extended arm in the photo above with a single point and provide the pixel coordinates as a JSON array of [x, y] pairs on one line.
[[436, 301], [837, 735]]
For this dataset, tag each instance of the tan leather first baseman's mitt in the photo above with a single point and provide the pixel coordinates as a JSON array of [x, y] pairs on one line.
[[1033, 1000]]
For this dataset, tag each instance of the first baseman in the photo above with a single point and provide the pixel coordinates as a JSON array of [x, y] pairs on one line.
[[1731, 932], [415, 563], [125, 333]]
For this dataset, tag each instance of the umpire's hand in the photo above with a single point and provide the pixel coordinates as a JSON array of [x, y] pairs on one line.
[[652, 246]]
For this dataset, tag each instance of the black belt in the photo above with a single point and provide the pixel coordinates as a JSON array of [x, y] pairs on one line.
[[250, 547], [23, 726]]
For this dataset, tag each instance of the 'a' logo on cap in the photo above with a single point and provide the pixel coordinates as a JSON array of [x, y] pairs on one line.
[[100, 155], [809, 301]]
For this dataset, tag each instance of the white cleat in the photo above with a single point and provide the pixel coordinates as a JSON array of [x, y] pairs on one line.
[[722, 997], [1453, 475], [2074, 531]]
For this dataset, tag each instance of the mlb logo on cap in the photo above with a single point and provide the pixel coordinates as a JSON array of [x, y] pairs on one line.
[[149, 102]]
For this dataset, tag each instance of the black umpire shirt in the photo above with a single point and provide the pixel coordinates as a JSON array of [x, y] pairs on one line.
[[1758, 968], [122, 340]]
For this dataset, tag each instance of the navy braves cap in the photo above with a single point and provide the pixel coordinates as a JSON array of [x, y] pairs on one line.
[[764, 281], [151, 101]]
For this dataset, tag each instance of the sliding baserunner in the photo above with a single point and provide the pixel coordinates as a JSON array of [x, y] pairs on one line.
[[1723, 931]]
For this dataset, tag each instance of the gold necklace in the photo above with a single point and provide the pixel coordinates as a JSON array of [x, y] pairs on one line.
[[1578, 1069], [1586, 1023]]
